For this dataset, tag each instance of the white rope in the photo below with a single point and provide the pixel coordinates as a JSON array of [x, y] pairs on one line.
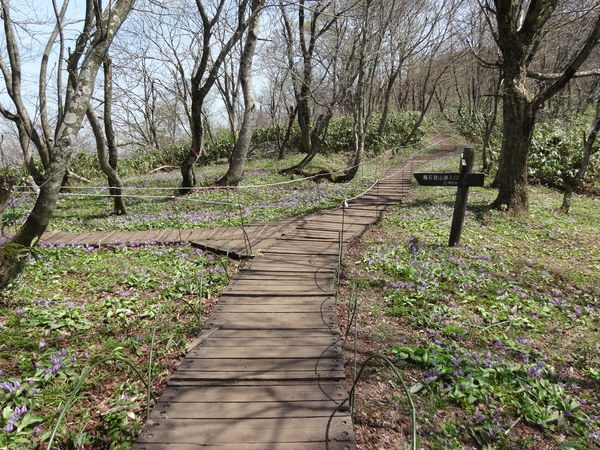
[[250, 186], [419, 153], [212, 202]]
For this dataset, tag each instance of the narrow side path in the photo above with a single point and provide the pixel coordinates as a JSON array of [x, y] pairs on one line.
[[267, 371], [237, 242]]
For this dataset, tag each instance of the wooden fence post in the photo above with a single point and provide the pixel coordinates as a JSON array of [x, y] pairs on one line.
[[462, 194]]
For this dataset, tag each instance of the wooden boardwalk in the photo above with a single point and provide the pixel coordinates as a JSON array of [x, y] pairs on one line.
[[267, 370], [237, 242]]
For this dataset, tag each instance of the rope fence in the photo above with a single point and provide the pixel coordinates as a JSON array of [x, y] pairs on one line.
[[21, 194]]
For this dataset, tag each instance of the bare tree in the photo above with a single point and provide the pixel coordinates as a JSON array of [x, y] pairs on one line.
[[406, 28], [208, 62], [106, 142], [519, 28], [229, 85], [91, 46], [242, 143], [587, 151], [313, 21]]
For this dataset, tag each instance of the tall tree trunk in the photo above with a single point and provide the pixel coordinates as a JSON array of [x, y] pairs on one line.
[[519, 116], [242, 144], [303, 116], [387, 98], [83, 64], [197, 147], [520, 29], [203, 79], [114, 181], [288, 133], [316, 136], [17, 249], [109, 158]]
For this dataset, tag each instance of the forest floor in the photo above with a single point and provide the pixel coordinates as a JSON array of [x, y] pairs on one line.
[[497, 340]]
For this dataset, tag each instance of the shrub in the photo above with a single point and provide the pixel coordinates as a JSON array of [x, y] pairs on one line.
[[555, 154]]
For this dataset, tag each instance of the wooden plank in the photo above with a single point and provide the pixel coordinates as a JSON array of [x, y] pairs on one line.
[[274, 273], [47, 236], [218, 340], [242, 410], [335, 226], [272, 307], [279, 333], [305, 291], [250, 430], [121, 236], [143, 238], [257, 392], [262, 364], [173, 236], [101, 237], [286, 250], [345, 445], [267, 351], [282, 322], [73, 239], [285, 281], [274, 299], [259, 375], [276, 276], [292, 267], [255, 298], [58, 236], [314, 234], [135, 237]]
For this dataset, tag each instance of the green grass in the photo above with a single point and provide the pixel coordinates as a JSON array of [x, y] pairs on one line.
[[153, 204], [73, 307], [500, 336]]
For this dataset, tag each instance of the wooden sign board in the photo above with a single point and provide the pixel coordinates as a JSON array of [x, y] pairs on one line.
[[449, 179]]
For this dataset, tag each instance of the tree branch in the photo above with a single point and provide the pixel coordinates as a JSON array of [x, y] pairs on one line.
[[573, 66]]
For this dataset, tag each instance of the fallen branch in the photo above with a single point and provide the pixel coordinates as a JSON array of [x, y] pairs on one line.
[[77, 177], [158, 169]]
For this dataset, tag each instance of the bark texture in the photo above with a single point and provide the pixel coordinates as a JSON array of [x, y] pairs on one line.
[[90, 49], [242, 143], [207, 69], [520, 29]]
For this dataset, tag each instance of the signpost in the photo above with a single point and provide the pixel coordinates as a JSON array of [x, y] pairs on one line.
[[463, 180]]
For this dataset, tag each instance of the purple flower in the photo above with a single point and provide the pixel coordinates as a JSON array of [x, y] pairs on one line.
[[42, 344]]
